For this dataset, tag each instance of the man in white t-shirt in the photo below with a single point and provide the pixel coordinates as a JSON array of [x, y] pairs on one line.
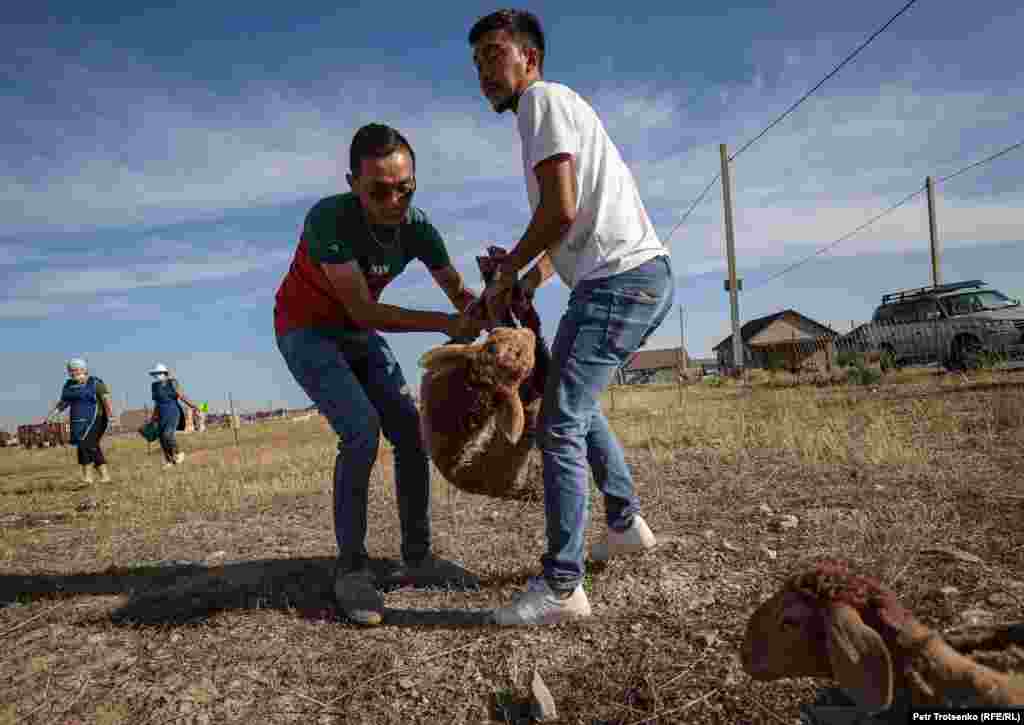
[[590, 226]]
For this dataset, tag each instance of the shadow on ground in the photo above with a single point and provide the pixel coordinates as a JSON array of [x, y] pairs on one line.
[[184, 592]]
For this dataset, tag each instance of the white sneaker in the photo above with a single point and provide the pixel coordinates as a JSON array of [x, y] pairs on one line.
[[179, 458], [168, 464], [634, 540], [540, 605]]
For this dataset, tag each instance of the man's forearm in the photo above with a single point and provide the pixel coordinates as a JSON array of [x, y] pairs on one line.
[[547, 228], [540, 272], [463, 299], [389, 318]]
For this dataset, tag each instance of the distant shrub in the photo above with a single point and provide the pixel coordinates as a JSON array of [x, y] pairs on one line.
[[861, 375], [987, 360], [774, 361], [848, 359], [887, 361]]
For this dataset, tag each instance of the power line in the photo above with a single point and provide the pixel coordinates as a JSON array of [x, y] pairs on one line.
[[693, 206], [841, 239], [984, 161], [894, 207], [792, 108], [820, 83]]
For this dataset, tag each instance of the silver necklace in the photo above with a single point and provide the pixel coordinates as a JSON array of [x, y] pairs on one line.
[[394, 243]]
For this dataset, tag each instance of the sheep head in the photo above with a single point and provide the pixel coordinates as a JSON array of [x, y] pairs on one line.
[[500, 363], [828, 622]]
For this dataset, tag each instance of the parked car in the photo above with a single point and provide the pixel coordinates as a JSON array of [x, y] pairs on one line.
[[955, 324]]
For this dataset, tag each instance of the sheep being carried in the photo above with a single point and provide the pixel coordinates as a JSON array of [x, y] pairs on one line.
[[480, 403]]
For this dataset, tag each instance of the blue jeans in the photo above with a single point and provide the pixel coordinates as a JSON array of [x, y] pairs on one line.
[[606, 322], [359, 387]]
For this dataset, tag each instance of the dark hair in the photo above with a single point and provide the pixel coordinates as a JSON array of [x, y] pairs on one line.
[[376, 140], [522, 25]]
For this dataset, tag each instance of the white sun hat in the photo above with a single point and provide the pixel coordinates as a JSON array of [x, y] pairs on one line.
[[77, 362], [158, 368]]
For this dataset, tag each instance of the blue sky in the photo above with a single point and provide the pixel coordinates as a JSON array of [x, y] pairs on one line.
[[157, 164]]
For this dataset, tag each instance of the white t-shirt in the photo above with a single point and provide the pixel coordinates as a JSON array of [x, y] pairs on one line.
[[612, 232]]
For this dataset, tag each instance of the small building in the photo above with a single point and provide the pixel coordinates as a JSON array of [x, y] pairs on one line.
[[654, 366], [784, 340]]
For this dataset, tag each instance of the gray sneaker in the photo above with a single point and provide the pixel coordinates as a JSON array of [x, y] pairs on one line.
[[634, 540], [357, 596], [430, 571], [539, 604]]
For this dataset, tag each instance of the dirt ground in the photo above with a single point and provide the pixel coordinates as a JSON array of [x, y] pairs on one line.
[[227, 616]]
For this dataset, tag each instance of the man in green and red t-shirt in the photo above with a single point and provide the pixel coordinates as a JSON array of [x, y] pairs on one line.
[[328, 318]]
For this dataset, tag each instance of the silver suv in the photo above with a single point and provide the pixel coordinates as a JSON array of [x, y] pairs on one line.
[[956, 324]]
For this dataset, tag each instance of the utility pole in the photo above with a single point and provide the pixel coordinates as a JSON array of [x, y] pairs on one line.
[[684, 361], [730, 249], [234, 421], [933, 232]]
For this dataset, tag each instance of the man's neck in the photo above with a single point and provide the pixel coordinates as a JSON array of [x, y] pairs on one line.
[[513, 102]]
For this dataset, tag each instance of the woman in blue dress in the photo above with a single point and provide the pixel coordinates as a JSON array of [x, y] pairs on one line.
[[167, 412], [91, 412]]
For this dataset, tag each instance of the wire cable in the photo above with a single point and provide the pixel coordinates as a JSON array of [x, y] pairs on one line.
[[822, 82], [894, 207], [837, 242], [789, 110], [984, 161]]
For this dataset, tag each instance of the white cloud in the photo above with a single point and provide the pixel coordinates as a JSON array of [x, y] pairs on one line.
[[30, 308], [12, 254], [155, 157], [73, 281]]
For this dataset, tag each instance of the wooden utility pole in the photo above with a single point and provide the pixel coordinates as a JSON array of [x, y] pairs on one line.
[[933, 232], [684, 358], [684, 363], [234, 421], [730, 250]]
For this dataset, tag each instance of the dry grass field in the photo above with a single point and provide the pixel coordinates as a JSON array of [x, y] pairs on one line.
[[202, 594]]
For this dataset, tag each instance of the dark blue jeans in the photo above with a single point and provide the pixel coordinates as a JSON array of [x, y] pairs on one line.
[[606, 322], [359, 387]]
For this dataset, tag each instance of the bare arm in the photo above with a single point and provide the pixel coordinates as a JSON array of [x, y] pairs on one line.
[[57, 407], [108, 406], [182, 397], [538, 274], [352, 292], [449, 280], [554, 215]]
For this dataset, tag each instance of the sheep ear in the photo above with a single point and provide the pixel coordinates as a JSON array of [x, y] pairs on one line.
[[510, 416], [860, 659], [446, 353]]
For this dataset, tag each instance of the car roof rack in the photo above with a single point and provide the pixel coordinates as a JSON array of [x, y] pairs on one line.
[[933, 289]]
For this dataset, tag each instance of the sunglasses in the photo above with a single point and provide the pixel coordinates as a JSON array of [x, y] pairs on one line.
[[383, 192]]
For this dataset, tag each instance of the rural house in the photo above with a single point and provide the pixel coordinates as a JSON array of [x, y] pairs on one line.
[[649, 366], [785, 339]]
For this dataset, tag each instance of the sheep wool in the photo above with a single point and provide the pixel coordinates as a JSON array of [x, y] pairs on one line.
[[477, 426]]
